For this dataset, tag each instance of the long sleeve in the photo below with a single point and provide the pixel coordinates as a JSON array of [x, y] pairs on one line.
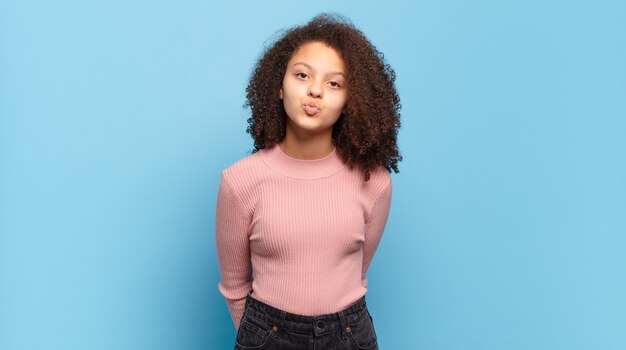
[[233, 250], [374, 228]]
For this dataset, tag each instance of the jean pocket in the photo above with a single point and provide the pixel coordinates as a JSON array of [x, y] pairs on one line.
[[362, 333], [252, 334]]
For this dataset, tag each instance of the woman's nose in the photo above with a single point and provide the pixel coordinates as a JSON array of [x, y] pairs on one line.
[[315, 90]]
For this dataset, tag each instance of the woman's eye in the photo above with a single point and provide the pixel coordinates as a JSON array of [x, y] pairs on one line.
[[302, 75], [335, 84]]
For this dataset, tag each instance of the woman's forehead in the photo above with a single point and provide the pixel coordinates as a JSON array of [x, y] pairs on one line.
[[318, 55]]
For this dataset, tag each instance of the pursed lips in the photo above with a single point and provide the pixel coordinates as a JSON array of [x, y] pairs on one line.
[[311, 108]]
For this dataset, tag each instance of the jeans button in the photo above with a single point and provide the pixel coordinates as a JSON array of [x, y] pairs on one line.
[[320, 324]]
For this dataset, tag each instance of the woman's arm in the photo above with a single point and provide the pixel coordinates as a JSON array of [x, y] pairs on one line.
[[233, 250], [374, 228]]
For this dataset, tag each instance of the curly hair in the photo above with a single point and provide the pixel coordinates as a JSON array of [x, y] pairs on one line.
[[366, 132]]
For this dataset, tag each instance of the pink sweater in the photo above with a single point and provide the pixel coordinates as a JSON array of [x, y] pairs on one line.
[[299, 234]]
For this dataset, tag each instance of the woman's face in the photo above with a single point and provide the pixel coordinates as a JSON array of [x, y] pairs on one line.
[[314, 89]]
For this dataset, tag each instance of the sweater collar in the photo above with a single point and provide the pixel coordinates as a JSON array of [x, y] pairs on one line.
[[302, 168]]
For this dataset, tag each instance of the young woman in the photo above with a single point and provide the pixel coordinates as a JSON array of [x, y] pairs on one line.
[[299, 220]]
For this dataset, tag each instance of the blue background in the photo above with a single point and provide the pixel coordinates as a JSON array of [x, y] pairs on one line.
[[508, 222]]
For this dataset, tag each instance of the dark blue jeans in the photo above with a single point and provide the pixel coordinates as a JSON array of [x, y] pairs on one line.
[[265, 327]]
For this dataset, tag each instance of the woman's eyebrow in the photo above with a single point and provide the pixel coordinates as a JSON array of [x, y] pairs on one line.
[[311, 68]]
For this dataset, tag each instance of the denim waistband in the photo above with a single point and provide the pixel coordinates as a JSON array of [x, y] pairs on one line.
[[313, 325]]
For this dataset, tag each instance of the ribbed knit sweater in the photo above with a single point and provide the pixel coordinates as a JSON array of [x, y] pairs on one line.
[[298, 234]]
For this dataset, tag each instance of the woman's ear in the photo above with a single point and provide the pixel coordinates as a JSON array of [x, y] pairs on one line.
[[280, 93]]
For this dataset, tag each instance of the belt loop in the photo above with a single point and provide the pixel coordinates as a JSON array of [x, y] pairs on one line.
[[247, 305], [343, 324], [282, 320], [248, 298]]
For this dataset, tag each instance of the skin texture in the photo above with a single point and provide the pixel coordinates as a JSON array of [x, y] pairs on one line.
[[365, 134], [314, 95]]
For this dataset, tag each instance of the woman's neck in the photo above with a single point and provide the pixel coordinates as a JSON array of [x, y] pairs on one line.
[[307, 148]]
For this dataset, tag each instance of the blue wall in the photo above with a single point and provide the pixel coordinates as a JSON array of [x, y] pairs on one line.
[[508, 223]]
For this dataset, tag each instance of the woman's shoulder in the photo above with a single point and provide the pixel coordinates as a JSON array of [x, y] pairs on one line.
[[379, 177], [238, 177], [380, 180], [380, 174]]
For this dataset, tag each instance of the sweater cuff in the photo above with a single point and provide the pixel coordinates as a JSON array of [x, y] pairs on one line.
[[236, 308]]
